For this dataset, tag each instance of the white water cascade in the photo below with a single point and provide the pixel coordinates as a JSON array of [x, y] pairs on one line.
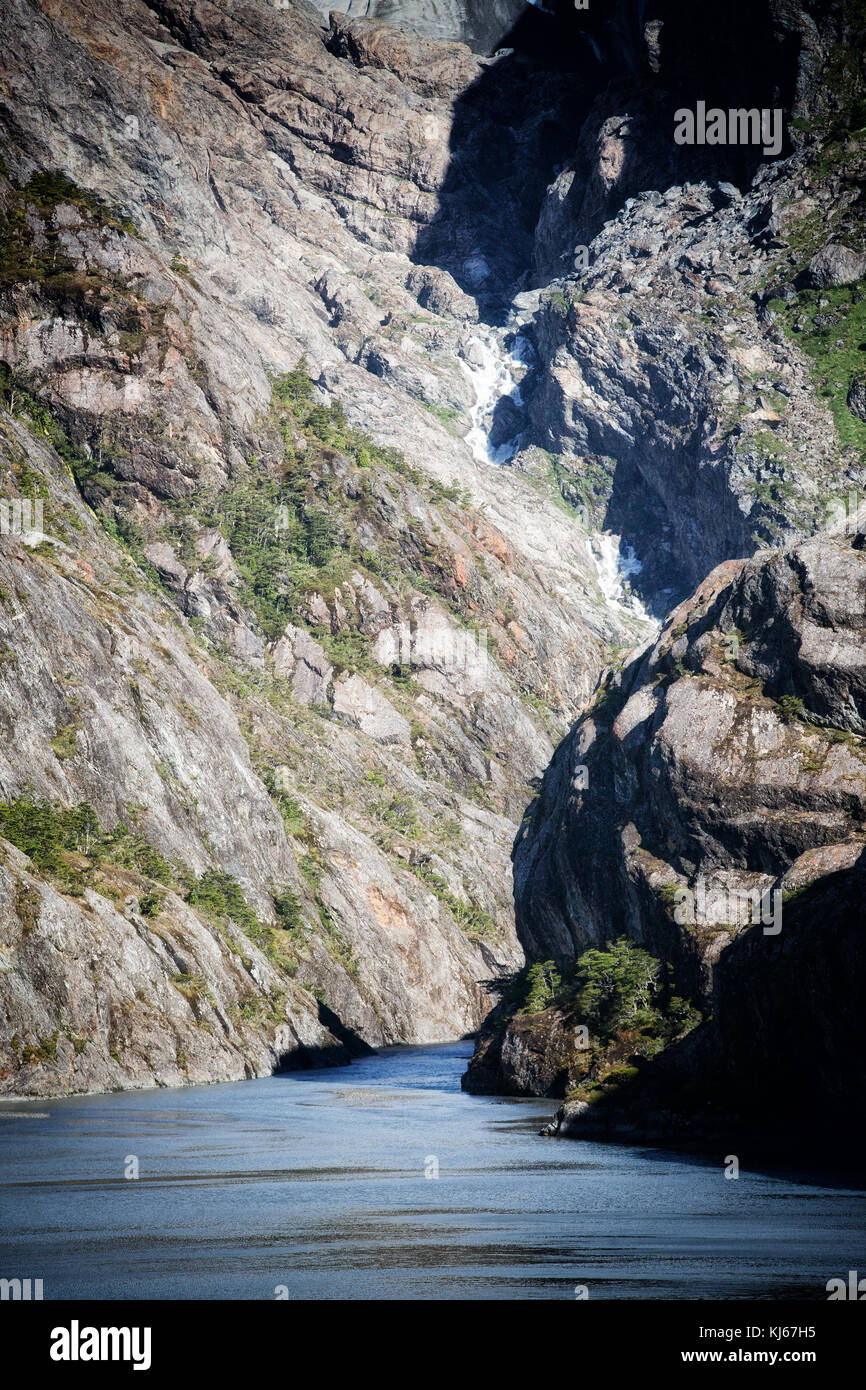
[[490, 366], [495, 368], [616, 564]]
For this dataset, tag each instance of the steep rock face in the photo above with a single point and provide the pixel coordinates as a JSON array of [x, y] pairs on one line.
[[94, 996], [679, 349], [382, 635], [803, 58], [321, 651], [730, 749], [109, 701], [674, 386], [712, 807]]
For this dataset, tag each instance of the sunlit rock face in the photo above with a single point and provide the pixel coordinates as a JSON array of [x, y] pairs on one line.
[[404, 703], [482, 24]]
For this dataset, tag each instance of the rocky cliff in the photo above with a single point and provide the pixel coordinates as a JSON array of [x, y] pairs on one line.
[[355, 473], [277, 619], [711, 806]]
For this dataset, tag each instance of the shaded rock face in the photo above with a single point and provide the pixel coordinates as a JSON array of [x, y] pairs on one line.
[[657, 352], [857, 397], [731, 748], [722, 769], [527, 1055], [792, 1000], [772, 1069]]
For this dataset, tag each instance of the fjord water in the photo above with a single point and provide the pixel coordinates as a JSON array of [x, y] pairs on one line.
[[315, 1181]]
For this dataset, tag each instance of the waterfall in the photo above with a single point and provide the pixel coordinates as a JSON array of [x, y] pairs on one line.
[[490, 358], [616, 564], [490, 366]]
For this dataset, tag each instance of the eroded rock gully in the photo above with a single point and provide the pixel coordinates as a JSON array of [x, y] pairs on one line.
[[285, 622]]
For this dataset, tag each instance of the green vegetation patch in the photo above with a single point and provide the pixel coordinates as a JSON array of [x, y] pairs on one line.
[[44, 830], [23, 255], [830, 327], [477, 924], [68, 844], [296, 534], [618, 996]]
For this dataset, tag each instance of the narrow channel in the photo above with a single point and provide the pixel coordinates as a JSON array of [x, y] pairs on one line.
[[384, 1181]]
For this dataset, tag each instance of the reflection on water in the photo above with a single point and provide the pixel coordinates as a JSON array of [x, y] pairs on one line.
[[308, 1182]]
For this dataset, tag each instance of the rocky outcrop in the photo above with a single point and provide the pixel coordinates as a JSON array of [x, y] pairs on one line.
[[836, 265], [711, 806], [727, 751], [679, 402], [524, 1054], [770, 1072]]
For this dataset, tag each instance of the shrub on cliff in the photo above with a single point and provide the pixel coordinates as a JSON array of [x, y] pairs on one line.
[[615, 987], [544, 984]]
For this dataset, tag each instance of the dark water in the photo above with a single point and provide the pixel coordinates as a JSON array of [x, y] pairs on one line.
[[316, 1182]]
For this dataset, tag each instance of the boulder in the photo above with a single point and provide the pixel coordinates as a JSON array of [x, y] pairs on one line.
[[439, 292], [362, 706], [857, 396], [836, 265], [300, 660]]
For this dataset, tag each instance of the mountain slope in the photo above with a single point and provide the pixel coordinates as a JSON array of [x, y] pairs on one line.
[[276, 293], [711, 807], [282, 622]]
